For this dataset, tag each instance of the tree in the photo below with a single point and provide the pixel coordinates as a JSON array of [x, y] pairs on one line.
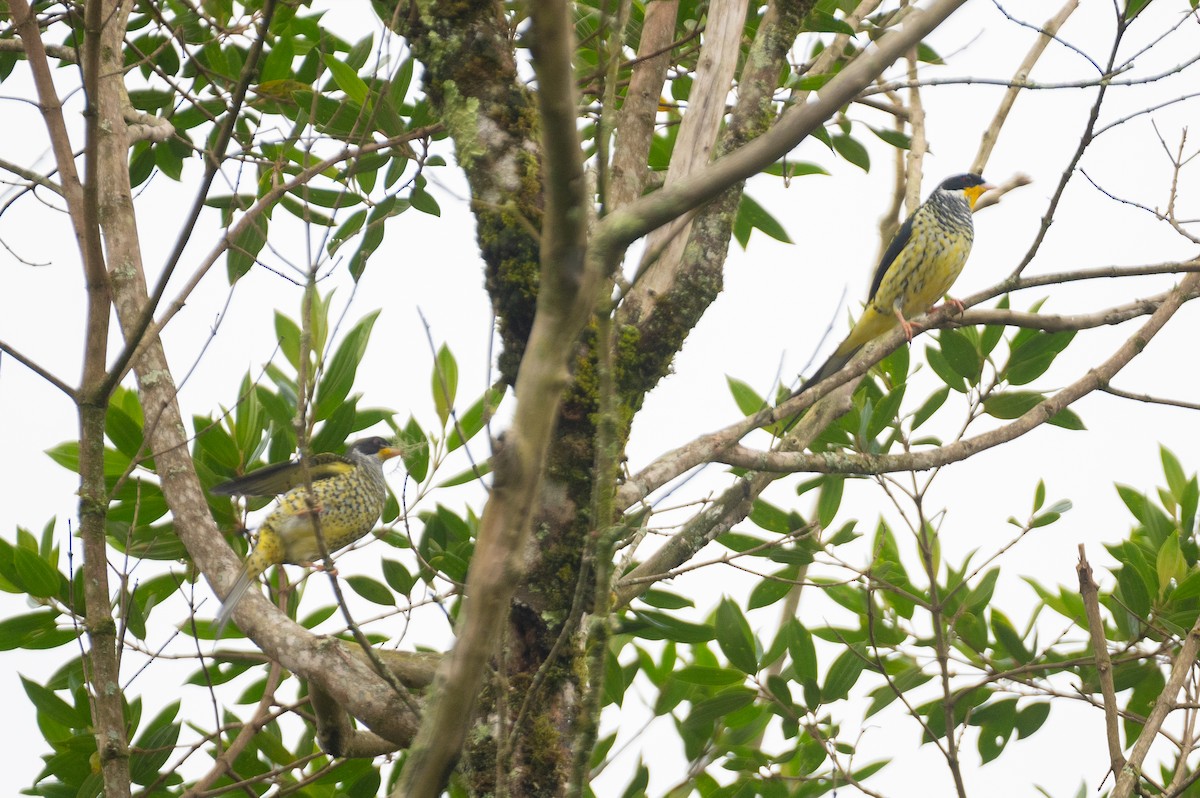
[[306, 146]]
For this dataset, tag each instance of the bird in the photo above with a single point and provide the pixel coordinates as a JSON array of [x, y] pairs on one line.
[[347, 496], [920, 264]]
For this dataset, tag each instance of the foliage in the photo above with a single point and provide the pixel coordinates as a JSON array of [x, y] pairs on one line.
[[304, 147]]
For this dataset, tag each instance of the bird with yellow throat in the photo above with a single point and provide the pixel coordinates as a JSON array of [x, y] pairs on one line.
[[346, 499], [923, 260]]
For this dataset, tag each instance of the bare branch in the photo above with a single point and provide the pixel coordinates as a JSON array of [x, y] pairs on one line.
[[1088, 590], [635, 126], [696, 139], [38, 370], [1019, 78]]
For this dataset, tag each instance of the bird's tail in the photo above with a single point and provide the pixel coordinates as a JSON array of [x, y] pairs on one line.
[[830, 367], [244, 581]]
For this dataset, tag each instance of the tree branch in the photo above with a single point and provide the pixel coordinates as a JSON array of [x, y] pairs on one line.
[[568, 289], [1019, 79], [1185, 660], [851, 463], [678, 461], [618, 230], [1088, 590]]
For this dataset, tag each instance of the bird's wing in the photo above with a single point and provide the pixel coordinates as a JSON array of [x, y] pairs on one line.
[[275, 480], [899, 241]]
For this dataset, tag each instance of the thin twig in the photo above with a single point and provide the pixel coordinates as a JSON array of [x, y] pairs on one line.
[[1089, 591]]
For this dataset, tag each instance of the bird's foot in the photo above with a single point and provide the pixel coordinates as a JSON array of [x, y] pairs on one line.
[[909, 327], [957, 304], [314, 508], [319, 566]]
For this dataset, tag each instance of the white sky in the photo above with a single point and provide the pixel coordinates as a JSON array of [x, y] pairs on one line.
[[777, 302]]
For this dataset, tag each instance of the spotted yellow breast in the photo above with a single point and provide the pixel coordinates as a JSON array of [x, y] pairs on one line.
[[346, 508], [925, 269]]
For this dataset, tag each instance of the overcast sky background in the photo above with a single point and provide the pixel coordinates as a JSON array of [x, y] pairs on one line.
[[777, 303]]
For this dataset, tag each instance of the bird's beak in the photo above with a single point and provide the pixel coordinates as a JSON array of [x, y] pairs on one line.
[[387, 453], [975, 192]]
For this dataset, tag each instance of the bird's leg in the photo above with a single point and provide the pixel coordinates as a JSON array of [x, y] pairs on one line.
[[319, 566], [906, 325]]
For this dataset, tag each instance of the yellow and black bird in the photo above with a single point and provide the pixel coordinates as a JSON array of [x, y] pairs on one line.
[[922, 262], [347, 498]]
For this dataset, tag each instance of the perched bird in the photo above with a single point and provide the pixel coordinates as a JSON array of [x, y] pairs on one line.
[[347, 498], [919, 266]]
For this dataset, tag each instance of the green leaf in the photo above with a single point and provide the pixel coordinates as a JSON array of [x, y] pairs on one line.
[[896, 138], [1033, 355], [347, 230], [398, 577], [981, 595], [801, 650], [771, 518], [51, 706], [470, 474], [931, 405], [1134, 7], [773, 589], [473, 420], [371, 590], [664, 600], [424, 202], [830, 498], [35, 630], [1173, 470], [1007, 639], [1170, 563], [415, 448], [277, 64], [346, 79], [337, 427], [709, 676], [67, 455], [34, 575], [735, 638], [287, 333], [819, 21], [337, 378], [885, 412], [752, 216], [843, 673], [1067, 419], [244, 246], [937, 362], [852, 150], [660, 626], [720, 705], [992, 333], [1011, 404], [637, 785], [961, 354], [154, 746], [445, 382], [747, 399], [972, 630], [1031, 718], [907, 679], [928, 55], [373, 237]]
